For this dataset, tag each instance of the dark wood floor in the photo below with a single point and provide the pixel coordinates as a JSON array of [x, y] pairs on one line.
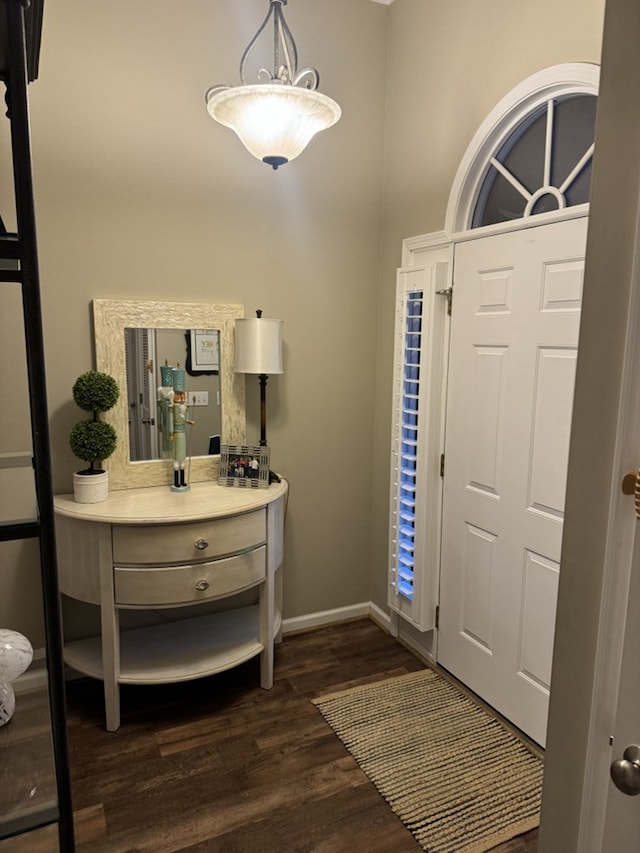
[[220, 765]]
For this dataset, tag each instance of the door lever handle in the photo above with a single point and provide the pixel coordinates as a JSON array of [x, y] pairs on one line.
[[625, 772], [631, 486]]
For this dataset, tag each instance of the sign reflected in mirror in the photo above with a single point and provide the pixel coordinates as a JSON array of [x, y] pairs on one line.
[[203, 352], [147, 352]]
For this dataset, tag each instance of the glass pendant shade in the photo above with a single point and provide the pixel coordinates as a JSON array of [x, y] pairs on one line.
[[274, 121]]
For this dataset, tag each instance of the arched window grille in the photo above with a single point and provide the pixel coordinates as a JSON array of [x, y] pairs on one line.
[[544, 165]]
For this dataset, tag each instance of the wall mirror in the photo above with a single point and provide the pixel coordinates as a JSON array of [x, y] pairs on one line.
[[114, 322]]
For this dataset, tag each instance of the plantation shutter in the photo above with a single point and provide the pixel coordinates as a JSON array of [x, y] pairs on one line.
[[416, 443]]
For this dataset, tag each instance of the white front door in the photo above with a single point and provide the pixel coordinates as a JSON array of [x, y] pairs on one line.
[[514, 339]]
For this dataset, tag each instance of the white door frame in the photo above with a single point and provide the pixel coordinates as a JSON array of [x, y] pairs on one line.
[[605, 444], [617, 570]]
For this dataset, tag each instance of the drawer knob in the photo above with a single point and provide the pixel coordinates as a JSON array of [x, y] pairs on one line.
[[202, 585], [201, 544]]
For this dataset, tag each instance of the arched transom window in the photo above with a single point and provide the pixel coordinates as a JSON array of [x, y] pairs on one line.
[[545, 163], [532, 154]]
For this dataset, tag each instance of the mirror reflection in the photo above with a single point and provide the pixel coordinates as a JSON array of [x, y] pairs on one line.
[[152, 358]]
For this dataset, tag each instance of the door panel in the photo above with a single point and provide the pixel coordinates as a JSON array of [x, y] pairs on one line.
[[553, 396], [489, 372], [540, 592], [514, 337]]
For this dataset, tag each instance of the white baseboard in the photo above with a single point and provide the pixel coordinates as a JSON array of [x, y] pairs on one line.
[[325, 617], [380, 617], [417, 643], [339, 614]]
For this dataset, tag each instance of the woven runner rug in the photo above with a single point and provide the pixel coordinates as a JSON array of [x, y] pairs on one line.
[[455, 776]]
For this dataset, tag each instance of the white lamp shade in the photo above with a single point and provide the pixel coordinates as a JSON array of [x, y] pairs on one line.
[[273, 120], [259, 345]]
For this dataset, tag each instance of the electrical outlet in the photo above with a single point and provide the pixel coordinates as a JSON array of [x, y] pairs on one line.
[[199, 398]]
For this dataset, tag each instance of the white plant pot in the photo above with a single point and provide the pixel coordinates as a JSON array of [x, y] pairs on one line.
[[91, 488]]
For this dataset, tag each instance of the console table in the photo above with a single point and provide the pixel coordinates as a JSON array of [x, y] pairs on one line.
[[151, 548]]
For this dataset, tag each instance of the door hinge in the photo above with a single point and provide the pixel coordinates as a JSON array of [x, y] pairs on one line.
[[448, 292], [442, 464], [437, 615]]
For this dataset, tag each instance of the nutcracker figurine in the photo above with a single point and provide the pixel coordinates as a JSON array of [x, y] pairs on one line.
[[179, 410]]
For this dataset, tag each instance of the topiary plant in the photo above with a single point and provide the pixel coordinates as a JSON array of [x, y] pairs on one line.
[[93, 440]]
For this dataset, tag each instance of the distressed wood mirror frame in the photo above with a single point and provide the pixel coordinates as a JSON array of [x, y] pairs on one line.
[[111, 317]]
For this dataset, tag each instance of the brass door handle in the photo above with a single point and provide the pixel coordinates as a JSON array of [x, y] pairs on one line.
[[625, 772], [631, 486]]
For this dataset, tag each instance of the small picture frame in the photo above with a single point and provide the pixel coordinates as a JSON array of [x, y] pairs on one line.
[[244, 466]]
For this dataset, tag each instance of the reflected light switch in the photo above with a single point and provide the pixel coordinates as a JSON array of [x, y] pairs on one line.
[[199, 398]]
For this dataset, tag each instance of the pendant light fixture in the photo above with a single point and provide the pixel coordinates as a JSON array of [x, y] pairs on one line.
[[275, 120]]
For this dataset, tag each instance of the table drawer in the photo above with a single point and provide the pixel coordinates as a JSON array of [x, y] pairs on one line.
[[157, 544], [176, 585]]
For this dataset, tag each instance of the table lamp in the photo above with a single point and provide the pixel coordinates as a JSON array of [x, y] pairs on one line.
[[259, 351]]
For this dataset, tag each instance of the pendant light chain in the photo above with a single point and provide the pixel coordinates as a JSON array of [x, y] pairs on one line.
[[282, 41]]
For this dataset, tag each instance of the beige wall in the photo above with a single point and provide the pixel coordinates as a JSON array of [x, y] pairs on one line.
[[140, 194]]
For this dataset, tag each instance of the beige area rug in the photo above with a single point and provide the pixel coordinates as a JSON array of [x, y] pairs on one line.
[[455, 776]]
